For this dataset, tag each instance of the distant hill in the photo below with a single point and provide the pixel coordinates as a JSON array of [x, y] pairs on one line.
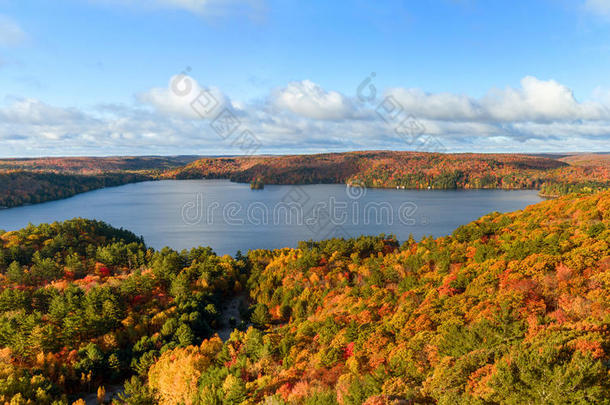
[[412, 170], [87, 165], [588, 159], [341, 167]]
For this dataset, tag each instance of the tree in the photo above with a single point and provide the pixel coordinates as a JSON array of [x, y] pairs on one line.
[[101, 394], [136, 393], [174, 376], [260, 316], [15, 273], [549, 374], [234, 390]]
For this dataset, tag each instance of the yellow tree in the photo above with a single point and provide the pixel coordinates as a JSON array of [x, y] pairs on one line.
[[174, 376]]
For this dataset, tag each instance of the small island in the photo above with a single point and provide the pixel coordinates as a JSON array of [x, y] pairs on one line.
[[257, 184]]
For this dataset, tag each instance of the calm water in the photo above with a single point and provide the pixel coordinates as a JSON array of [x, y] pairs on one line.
[[229, 216]]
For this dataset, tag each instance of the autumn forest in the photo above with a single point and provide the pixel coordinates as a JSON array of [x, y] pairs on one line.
[[509, 309]]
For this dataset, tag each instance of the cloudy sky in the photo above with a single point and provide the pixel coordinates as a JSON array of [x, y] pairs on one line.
[[140, 77]]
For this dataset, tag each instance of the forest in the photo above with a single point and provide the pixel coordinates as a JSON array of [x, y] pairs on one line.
[[509, 309], [23, 187], [89, 165]]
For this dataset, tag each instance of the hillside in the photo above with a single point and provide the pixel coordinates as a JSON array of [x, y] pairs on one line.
[[24, 187], [36, 180], [84, 305], [411, 170], [512, 308]]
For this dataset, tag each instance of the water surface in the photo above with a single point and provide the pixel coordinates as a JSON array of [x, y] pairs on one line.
[[229, 216]]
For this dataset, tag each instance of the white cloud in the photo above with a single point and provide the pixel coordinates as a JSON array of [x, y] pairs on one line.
[[601, 7], [443, 106], [539, 100], [536, 100], [307, 99], [185, 97], [537, 116], [11, 33], [35, 112]]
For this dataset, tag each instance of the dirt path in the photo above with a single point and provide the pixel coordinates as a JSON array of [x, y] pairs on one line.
[[112, 391], [230, 310]]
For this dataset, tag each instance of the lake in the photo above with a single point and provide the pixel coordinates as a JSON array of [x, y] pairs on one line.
[[229, 216]]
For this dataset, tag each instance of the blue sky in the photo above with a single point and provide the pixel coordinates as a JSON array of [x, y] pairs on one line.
[[93, 77]]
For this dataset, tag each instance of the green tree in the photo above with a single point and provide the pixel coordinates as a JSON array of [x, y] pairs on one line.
[[15, 273], [260, 316], [234, 389]]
